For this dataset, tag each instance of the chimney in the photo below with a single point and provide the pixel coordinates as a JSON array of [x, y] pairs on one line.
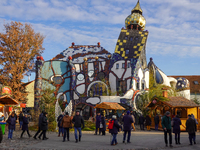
[[165, 94]]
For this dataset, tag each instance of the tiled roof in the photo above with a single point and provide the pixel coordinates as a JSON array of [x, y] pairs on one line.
[[176, 102], [180, 102], [79, 52], [194, 88]]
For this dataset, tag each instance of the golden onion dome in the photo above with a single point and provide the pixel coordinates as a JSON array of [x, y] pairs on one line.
[[136, 18]]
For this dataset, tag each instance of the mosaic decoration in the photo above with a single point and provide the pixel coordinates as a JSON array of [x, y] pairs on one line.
[[130, 43], [182, 83], [38, 82], [79, 52]]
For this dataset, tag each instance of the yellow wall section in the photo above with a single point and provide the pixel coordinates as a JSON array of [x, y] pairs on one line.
[[192, 111], [183, 122], [30, 96]]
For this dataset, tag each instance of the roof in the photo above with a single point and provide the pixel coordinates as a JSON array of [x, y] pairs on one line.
[[177, 102], [109, 105], [27, 83], [79, 52], [7, 100], [194, 88], [137, 7]]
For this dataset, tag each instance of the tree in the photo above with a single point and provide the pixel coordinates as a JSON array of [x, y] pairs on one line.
[[196, 100], [19, 46]]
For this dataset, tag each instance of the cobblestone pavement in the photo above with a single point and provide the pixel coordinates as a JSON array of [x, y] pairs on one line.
[[140, 140]]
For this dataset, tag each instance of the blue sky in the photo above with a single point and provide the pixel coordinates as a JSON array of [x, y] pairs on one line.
[[173, 25]]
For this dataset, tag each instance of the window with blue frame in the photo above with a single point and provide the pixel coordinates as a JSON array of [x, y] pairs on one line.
[[129, 65], [123, 65], [117, 66]]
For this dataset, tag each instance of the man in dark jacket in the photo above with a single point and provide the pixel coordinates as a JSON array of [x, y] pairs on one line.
[[103, 123], [44, 126], [127, 120], [156, 121], [78, 121], [141, 122], [25, 125], [39, 125], [176, 122], [21, 119], [115, 130], [98, 120], [11, 125], [166, 124], [191, 128], [59, 119]]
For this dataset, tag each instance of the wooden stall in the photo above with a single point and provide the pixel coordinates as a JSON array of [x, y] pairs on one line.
[[176, 106]]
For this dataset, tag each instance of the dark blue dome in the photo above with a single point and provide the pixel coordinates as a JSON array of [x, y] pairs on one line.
[[181, 83]]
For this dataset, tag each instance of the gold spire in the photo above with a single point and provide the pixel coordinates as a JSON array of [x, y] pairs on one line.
[[137, 7]]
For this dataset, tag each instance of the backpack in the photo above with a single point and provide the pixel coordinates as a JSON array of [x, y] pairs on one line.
[[111, 124]]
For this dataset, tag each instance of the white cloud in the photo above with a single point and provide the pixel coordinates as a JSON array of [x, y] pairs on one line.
[[174, 25]]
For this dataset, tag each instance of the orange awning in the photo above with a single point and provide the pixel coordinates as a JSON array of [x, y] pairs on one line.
[[7, 100], [109, 105]]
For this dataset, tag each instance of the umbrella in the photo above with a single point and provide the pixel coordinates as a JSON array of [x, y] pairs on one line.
[[109, 105]]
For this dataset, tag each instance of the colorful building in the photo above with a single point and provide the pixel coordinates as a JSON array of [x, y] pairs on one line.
[[85, 75]]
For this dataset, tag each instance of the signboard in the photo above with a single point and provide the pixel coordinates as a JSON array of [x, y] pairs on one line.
[[6, 91]]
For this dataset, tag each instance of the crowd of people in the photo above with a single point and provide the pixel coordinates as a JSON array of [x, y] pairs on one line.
[[125, 122]]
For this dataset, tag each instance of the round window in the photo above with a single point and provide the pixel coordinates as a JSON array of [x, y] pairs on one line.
[[101, 75], [57, 80], [80, 77]]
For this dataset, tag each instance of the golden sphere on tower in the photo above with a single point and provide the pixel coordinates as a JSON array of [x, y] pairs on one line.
[[85, 59], [109, 56], [96, 57]]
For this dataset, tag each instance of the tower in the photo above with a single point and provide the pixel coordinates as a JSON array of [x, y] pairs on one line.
[[131, 43]]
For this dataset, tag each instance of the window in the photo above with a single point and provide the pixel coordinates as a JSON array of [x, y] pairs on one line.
[[137, 86], [121, 87], [131, 39], [117, 66], [136, 38], [126, 37], [143, 86], [129, 65], [127, 51], [123, 65], [196, 82]]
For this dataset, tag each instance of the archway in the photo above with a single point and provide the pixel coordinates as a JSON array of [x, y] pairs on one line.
[[97, 88]]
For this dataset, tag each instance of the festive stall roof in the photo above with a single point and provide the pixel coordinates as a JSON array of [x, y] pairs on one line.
[[109, 105], [176, 102], [7, 100]]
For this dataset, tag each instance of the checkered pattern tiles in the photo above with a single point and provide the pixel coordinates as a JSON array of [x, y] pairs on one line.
[[130, 43]]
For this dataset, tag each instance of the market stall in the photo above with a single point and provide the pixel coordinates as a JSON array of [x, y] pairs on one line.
[[176, 106], [6, 100]]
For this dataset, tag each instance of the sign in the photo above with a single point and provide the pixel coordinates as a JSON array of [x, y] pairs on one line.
[[6, 91], [22, 105]]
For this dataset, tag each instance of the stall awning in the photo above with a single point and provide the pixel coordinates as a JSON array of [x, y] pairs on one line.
[[109, 105], [7, 100]]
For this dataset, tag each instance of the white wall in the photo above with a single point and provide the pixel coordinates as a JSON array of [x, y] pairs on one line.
[[184, 93], [146, 77]]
